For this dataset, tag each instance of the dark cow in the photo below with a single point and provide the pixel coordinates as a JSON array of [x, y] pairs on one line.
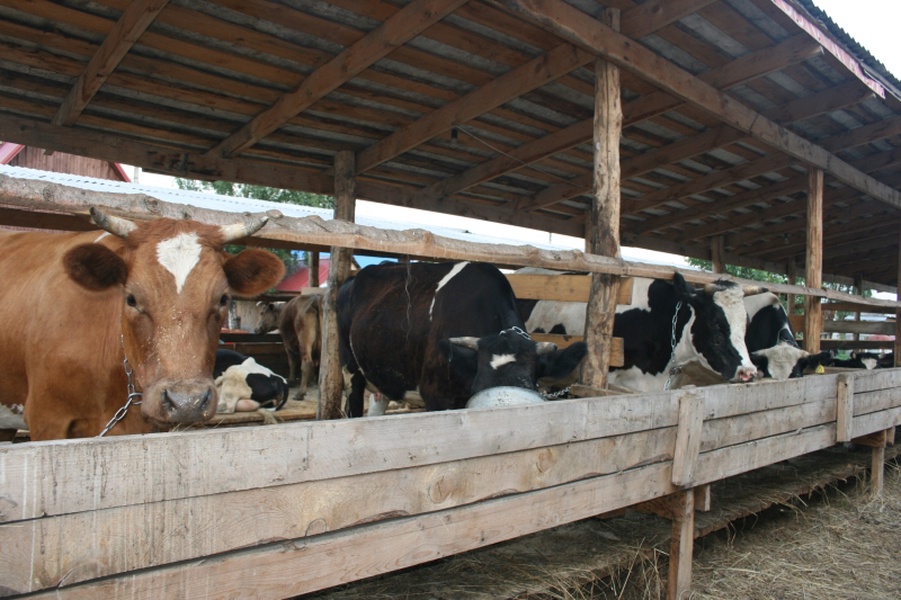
[[245, 385], [771, 342], [669, 326], [88, 315], [449, 330]]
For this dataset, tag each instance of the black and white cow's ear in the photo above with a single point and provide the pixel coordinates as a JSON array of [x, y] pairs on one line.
[[466, 341], [562, 364], [683, 290], [463, 355]]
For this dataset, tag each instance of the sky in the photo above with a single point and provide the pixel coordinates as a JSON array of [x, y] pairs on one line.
[[874, 24]]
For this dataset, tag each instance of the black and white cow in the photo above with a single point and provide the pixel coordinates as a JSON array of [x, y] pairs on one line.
[[245, 385], [448, 330], [669, 326], [771, 342]]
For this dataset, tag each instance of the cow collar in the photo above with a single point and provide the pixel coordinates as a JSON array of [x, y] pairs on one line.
[[133, 394]]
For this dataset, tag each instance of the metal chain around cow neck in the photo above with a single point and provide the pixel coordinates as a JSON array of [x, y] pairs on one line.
[[130, 389], [676, 369]]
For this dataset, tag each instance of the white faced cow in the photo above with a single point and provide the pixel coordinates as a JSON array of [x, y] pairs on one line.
[[87, 317], [449, 330], [244, 385], [771, 342], [668, 327]]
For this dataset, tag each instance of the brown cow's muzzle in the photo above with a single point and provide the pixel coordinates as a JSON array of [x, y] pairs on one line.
[[186, 401]]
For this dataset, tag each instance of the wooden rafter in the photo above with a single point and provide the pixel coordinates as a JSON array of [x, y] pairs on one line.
[[135, 20], [574, 25], [732, 74], [406, 24], [534, 74]]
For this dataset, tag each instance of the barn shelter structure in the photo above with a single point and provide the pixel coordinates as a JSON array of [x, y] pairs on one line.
[[751, 132]]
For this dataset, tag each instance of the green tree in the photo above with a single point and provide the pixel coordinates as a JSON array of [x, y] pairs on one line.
[[261, 192]]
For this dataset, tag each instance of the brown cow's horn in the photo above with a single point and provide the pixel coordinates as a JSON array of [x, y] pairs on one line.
[[710, 288], [237, 231], [115, 225]]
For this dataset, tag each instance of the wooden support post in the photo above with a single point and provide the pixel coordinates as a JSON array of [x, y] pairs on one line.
[[314, 269], [331, 380], [813, 310], [877, 441], [718, 253], [688, 438], [897, 345], [681, 546], [790, 299], [844, 408], [602, 236]]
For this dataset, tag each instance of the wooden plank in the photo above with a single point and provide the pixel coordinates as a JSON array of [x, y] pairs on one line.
[[873, 422], [136, 18], [405, 24], [43, 552], [876, 379], [562, 288], [875, 401], [743, 428], [49, 478], [870, 327], [732, 460], [271, 571], [727, 400], [844, 407], [688, 437]]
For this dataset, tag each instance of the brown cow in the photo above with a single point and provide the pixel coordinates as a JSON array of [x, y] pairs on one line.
[[299, 323], [81, 310]]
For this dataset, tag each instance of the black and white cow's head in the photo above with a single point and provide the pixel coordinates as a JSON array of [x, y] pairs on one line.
[[772, 344], [787, 361], [509, 358], [714, 334]]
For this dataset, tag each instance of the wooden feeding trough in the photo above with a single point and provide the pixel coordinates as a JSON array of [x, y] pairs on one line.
[[288, 509]]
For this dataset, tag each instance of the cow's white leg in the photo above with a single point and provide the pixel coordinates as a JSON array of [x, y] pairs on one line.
[[378, 404]]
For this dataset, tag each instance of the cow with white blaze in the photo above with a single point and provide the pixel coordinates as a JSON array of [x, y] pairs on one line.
[[668, 327], [448, 330], [92, 316]]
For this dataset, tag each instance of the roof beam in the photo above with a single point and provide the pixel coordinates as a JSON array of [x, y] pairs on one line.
[[574, 25], [533, 74], [406, 24], [737, 72], [135, 20]]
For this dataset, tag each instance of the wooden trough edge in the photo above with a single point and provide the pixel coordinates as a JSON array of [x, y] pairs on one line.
[[582, 553]]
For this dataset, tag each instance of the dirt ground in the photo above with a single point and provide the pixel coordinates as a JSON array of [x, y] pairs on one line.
[[839, 544]]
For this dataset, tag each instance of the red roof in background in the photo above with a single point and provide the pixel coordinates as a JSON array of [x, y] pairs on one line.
[[9, 151], [301, 279]]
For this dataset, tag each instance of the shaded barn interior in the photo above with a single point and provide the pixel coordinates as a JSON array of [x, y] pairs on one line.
[[485, 109], [735, 113]]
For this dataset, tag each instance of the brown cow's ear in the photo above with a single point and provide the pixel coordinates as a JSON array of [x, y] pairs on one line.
[[253, 272], [95, 267]]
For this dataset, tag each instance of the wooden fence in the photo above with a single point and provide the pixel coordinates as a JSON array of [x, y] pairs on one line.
[[277, 511]]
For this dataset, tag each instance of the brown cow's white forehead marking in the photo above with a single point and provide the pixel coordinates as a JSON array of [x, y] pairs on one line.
[[179, 255]]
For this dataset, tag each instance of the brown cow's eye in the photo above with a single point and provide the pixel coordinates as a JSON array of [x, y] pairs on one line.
[[223, 301], [131, 300]]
